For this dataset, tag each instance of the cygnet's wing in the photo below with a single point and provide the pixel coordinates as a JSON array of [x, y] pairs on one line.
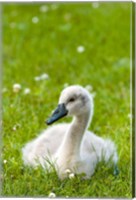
[[103, 148], [47, 143]]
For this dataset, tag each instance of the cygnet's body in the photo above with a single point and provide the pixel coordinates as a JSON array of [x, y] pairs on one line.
[[70, 146]]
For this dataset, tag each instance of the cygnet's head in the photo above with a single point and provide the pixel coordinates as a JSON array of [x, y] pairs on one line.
[[74, 100]]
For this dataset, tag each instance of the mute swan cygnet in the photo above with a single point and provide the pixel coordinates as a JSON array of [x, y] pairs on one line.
[[70, 146]]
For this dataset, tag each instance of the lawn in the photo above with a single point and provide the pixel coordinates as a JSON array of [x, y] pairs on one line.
[[70, 43]]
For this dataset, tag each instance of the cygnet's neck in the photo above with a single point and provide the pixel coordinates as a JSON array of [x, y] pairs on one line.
[[72, 141]]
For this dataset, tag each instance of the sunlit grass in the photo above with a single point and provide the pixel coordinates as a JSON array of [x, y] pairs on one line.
[[47, 39]]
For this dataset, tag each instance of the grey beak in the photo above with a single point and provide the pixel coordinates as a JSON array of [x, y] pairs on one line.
[[60, 112]]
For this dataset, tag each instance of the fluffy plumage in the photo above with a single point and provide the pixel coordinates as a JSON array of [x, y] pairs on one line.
[[71, 146]]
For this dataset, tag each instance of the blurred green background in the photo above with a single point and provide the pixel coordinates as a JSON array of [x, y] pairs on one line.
[[70, 43]]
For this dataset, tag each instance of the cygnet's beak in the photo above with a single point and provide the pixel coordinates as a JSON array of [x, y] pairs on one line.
[[60, 112]]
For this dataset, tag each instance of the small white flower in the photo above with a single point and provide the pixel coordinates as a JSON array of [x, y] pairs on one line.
[[37, 78], [27, 91], [52, 195], [5, 161], [80, 49], [14, 128], [95, 5], [71, 175], [44, 76], [67, 171], [89, 87], [44, 8], [35, 20], [16, 87]]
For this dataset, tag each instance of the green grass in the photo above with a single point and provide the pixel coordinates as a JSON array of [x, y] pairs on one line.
[[50, 46]]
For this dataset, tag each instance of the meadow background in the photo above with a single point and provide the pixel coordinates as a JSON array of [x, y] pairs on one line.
[[46, 47]]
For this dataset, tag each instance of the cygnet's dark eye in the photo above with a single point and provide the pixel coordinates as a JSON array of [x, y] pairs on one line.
[[71, 99]]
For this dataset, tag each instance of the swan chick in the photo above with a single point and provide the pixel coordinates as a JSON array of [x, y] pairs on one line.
[[70, 146]]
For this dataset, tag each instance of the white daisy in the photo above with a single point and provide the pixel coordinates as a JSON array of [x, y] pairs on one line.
[[80, 49], [14, 128], [67, 171], [16, 87], [27, 91], [44, 76], [35, 20], [52, 195], [4, 161], [44, 8], [37, 78], [71, 175]]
